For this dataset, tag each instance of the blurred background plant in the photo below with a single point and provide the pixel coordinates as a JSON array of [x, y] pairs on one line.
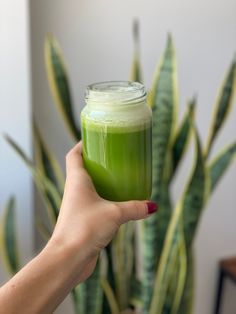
[[165, 282]]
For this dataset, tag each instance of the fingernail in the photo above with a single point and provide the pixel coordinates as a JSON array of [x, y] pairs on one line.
[[152, 207]]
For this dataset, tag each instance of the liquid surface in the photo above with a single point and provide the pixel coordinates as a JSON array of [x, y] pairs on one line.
[[119, 160]]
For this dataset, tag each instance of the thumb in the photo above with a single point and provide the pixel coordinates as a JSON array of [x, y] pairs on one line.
[[134, 210]]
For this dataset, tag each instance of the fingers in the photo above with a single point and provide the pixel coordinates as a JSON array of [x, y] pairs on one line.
[[74, 160], [135, 210]]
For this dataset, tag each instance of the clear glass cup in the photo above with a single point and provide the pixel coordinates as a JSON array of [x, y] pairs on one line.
[[117, 140]]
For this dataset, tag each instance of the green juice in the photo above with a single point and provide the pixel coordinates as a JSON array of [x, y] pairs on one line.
[[119, 159]]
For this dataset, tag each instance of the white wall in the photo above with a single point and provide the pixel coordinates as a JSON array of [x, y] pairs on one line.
[[97, 42], [15, 117]]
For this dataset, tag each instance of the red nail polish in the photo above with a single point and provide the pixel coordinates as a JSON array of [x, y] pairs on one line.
[[152, 207]]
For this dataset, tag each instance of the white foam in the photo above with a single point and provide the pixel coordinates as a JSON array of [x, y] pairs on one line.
[[115, 93]]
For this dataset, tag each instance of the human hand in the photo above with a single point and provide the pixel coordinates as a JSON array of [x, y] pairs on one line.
[[87, 222]]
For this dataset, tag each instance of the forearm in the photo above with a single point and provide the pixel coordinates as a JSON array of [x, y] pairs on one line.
[[43, 283]]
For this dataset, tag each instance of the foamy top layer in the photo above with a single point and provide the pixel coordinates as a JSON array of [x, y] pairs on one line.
[[116, 106], [119, 121], [115, 94], [115, 126]]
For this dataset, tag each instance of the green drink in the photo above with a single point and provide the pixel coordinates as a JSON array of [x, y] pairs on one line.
[[117, 145], [118, 160]]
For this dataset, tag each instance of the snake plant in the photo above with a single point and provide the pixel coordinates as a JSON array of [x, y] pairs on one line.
[[166, 283]]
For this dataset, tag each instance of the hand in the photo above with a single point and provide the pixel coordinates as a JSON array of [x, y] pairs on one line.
[[87, 222]]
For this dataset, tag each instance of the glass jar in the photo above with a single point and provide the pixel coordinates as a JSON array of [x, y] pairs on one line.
[[117, 140]]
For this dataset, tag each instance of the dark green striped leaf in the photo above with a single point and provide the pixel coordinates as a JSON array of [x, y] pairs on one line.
[[47, 164], [59, 84], [220, 164], [136, 71], [89, 294], [182, 137], [186, 305], [110, 276], [181, 272], [167, 270], [9, 242], [110, 297], [47, 189], [223, 105], [123, 261], [165, 103], [187, 212], [164, 115], [194, 196]]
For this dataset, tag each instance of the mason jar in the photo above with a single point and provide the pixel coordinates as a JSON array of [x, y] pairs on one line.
[[117, 140]]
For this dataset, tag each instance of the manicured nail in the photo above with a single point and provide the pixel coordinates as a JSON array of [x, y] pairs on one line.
[[152, 207]]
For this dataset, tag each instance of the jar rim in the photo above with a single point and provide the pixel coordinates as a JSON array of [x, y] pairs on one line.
[[115, 92]]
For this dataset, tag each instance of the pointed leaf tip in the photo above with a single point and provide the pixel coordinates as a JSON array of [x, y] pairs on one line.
[[222, 106], [12, 201], [220, 164], [136, 28], [170, 42], [194, 195], [136, 71], [182, 136], [194, 98], [59, 85], [192, 107], [169, 36]]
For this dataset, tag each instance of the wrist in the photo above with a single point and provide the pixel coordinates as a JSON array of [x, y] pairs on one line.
[[70, 257]]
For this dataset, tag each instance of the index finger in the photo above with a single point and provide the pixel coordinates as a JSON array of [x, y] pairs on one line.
[[74, 160]]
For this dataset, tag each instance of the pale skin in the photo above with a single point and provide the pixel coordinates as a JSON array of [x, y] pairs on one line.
[[86, 224]]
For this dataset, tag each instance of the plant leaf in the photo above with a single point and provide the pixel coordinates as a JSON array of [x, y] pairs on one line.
[[110, 276], [220, 164], [164, 114], [182, 136], [150, 101], [165, 103], [136, 71], [75, 294], [193, 198], [176, 271], [122, 259], [136, 292], [110, 296], [47, 189], [186, 305], [182, 271], [43, 229], [168, 261], [59, 84], [223, 105], [47, 163], [90, 294], [9, 245]]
